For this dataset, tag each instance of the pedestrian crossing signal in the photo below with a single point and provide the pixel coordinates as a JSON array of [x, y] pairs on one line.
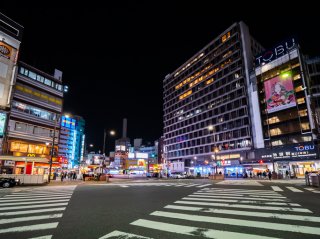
[[261, 161]]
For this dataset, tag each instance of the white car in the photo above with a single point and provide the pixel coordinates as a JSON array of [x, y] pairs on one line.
[[177, 175]]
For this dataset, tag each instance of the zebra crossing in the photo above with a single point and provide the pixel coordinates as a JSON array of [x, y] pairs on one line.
[[294, 189], [35, 210], [225, 213], [186, 185]]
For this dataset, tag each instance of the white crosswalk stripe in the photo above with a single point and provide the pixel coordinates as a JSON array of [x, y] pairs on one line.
[[312, 190], [187, 185], [34, 209], [293, 189], [238, 209], [276, 189]]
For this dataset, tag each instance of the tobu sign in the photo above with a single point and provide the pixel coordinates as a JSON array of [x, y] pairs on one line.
[[304, 147], [275, 52]]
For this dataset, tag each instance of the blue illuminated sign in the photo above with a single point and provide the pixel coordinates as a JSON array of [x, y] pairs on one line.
[[68, 122]]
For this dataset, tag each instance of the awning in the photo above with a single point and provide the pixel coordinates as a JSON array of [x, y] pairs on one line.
[[24, 159]]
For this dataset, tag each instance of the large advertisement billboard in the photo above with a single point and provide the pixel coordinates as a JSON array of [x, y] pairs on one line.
[[279, 93]]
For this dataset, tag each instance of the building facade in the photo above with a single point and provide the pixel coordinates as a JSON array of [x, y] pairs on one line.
[[287, 115], [71, 141], [314, 73], [10, 39], [33, 122], [209, 102]]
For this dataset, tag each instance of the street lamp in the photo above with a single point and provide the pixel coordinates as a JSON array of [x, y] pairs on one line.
[[111, 133]]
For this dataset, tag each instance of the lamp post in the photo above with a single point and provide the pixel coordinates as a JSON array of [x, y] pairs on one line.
[[52, 148], [111, 133]]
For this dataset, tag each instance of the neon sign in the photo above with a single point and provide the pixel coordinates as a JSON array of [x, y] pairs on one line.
[[275, 52]]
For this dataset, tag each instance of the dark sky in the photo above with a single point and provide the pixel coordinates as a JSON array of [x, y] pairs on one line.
[[114, 59]]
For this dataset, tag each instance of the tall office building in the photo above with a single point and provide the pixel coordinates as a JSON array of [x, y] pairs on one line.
[[314, 72], [33, 122], [10, 39], [287, 115], [71, 141], [208, 102]]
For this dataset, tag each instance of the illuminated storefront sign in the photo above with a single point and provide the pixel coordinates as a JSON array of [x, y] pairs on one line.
[[68, 122], [293, 152], [82, 147], [279, 93], [142, 155], [131, 155], [5, 50], [3, 117], [276, 52]]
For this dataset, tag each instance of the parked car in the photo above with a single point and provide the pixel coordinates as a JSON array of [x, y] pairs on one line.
[[9, 182]]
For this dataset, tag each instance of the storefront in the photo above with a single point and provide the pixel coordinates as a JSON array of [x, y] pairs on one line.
[[25, 165]]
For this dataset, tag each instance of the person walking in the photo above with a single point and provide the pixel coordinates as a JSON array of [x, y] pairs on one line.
[[61, 176], [287, 174], [270, 175]]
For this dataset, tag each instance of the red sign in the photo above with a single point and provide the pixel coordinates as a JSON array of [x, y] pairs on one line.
[[63, 160]]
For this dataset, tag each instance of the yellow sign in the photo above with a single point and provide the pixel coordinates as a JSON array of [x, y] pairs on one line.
[[31, 155], [5, 50]]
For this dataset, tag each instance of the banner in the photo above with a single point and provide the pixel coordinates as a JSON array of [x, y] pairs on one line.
[[279, 93]]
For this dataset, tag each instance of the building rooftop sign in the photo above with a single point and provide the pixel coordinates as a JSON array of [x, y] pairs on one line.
[[275, 52]]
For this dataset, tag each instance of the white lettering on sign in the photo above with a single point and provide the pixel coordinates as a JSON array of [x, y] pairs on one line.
[[304, 147], [276, 52]]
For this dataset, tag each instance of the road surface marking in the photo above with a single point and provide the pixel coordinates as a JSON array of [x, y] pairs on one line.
[[38, 202], [276, 189], [124, 186], [194, 198], [32, 211], [231, 197], [191, 185], [241, 195], [33, 196], [124, 235], [240, 182], [294, 189], [31, 199], [42, 237], [235, 189], [239, 222], [247, 213], [180, 185], [195, 231], [246, 206], [245, 192], [312, 190], [33, 206], [205, 185], [30, 227], [33, 218]]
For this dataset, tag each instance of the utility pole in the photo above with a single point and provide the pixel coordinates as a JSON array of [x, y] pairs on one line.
[[52, 148], [104, 142]]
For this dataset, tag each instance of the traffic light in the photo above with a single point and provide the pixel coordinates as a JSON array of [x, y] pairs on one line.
[[261, 161]]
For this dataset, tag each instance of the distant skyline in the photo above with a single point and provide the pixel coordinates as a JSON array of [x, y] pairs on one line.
[[114, 59]]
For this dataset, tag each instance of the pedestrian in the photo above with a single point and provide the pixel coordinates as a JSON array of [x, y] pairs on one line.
[[61, 176], [84, 177], [74, 175], [269, 175], [287, 174], [250, 174]]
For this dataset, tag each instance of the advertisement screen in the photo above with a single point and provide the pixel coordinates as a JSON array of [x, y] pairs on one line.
[[279, 93], [3, 117]]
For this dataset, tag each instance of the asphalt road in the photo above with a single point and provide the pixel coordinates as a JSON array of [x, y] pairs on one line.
[[176, 209]]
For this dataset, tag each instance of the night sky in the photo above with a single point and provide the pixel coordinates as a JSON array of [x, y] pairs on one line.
[[114, 59]]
